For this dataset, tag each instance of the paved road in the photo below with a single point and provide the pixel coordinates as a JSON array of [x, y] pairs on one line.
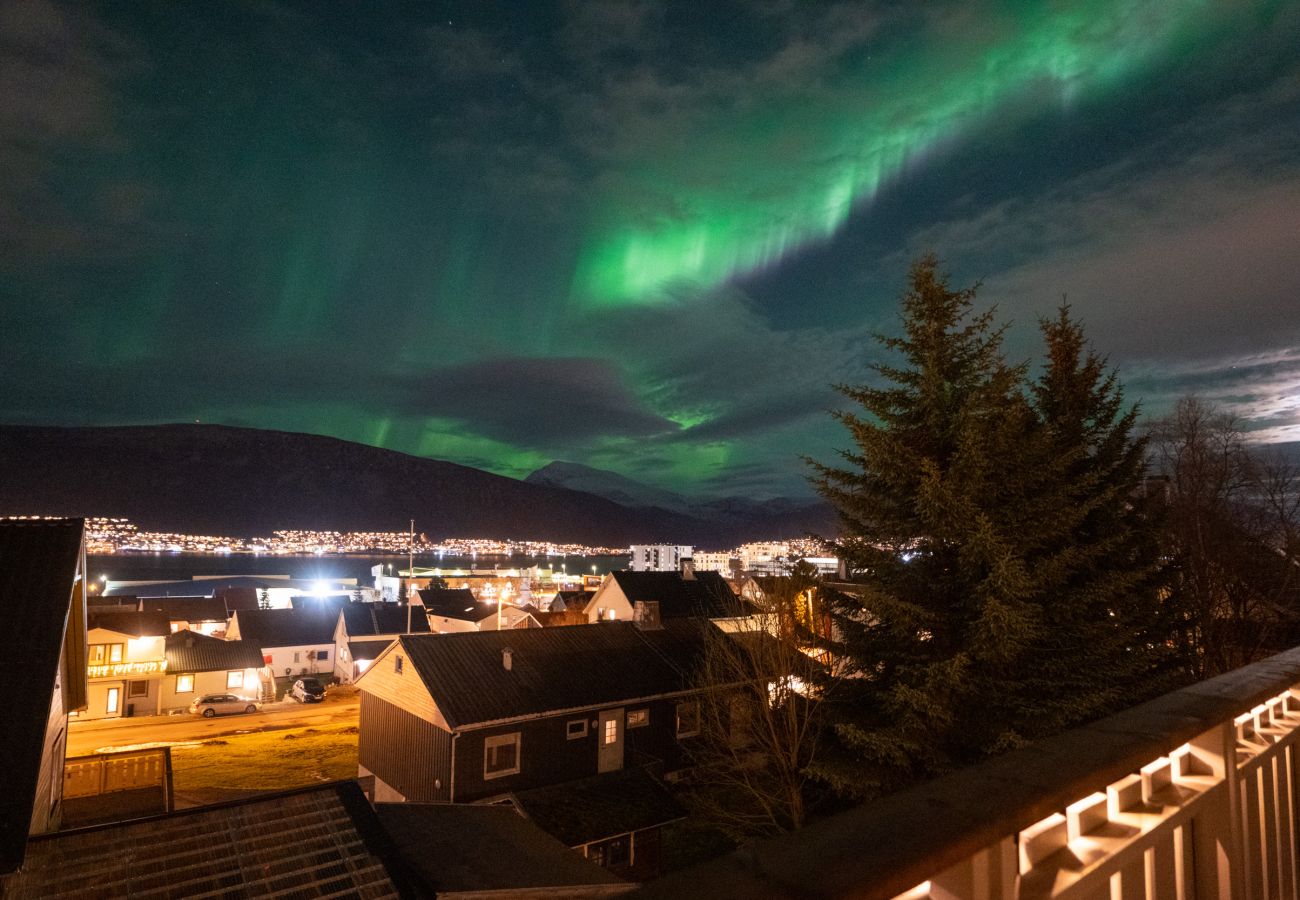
[[119, 734]]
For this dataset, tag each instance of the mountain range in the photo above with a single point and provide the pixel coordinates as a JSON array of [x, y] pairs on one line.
[[216, 479]]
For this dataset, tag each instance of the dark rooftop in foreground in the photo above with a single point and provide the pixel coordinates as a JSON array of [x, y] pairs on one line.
[[600, 807], [38, 567], [319, 842], [463, 847]]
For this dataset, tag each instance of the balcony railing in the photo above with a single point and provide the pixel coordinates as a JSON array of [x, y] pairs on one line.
[[1193, 795]]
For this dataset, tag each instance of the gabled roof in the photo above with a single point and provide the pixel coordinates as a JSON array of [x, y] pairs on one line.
[[363, 650], [571, 600], [320, 842], [453, 597], [286, 627], [470, 612], [456, 847], [189, 609], [363, 619], [552, 669], [188, 651], [707, 595], [128, 621], [600, 807], [38, 570]]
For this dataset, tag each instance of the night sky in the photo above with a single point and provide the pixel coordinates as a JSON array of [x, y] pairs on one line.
[[643, 236]]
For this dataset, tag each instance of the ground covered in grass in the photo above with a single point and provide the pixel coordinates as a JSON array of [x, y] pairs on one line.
[[237, 765]]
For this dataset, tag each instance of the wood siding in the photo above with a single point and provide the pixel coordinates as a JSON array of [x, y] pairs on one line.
[[547, 756], [405, 691], [404, 751]]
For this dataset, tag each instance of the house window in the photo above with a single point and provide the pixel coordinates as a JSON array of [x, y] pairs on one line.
[[501, 755], [576, 728], [96, 654], [322, 655], [397, 664], [613, 852], [115, 653], [638, 718], [688, 718], [297, 656], [113, 695], [611, 732], [184, 684], [137, 689], [234, 680]]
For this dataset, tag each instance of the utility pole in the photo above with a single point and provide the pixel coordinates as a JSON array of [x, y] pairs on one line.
[[410, 575]]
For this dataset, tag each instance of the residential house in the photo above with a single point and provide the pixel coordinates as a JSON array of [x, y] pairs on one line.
[[482, 716], [685, 593], [369, 624], [43, 615], [293, 641], [198, 665], [456, 610], [203, 615], [126, 662], [458, 849]]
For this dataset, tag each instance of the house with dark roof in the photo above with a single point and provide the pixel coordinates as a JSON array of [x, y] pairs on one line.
[[202, 615], [316, 842], [293, 641], [367, 624], [199, 665], [43, 613], [479, 615], [126, 662], [481, 716], [473, 850], [683, 594]]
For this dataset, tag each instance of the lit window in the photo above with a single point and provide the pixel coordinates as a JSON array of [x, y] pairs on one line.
[[184, 684], [97, 654], [501, 755], [613, 614], [688, 718], [115, 653], [137, 689], [611, 731], [638, 718], [576, 728], [113, 694], [397, 665], [234, 679]]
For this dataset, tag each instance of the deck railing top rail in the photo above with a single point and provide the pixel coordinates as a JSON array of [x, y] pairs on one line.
[[888, 846]]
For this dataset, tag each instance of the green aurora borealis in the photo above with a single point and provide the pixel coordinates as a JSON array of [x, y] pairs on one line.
[[643, 236]]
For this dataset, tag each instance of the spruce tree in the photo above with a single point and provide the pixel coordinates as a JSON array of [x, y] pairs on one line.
[[1009, 576]]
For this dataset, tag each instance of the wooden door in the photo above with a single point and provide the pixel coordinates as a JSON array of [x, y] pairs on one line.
[[610, 738]]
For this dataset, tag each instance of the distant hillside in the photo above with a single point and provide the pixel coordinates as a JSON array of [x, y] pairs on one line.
[[777, 518], [220, 480]]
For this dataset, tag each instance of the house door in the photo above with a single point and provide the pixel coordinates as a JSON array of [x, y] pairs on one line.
[[611, 741]]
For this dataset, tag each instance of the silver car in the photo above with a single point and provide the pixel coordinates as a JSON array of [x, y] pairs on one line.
[[210, 705]]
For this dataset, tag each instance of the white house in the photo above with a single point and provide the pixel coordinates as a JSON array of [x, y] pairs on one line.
[[684, 594], [125, 663], [198, 665], [473, 615], [364, 628], [293, 641]]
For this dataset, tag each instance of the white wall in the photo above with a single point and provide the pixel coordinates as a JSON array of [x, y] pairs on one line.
[[295, 659]]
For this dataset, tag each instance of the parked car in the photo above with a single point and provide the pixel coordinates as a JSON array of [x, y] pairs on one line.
[[210, 705], [307, 690]]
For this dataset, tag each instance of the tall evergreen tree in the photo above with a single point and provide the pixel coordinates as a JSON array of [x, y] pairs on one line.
[[1004, 571]]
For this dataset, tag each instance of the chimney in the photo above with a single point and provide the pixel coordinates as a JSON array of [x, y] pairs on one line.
[[688, 568], [506, 658], [646, 615]]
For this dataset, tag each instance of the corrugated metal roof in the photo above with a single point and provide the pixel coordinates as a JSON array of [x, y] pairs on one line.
[[707, 595], [38, 568], [324, 842], [553, 668], [188, 651], [362, 619]]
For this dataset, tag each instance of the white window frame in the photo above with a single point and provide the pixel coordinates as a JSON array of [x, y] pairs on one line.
[[638, 718], [113, 701], [573, 734], [187, 681], [490, 743], [234, 679]]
